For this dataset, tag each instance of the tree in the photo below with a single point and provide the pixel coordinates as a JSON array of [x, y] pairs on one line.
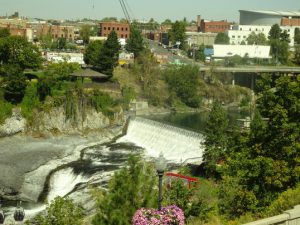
[[222, 39], [61, 211], [4, 32], [85, 33], [109, 54], [215, 137], [297, 36], [183, 82], [16, 50], [46, 41], [177, 34], [279, 44], [256, 39], [167, 22], [14, 84], [297, 55], [130, 188], [92, 52], [135, 41]]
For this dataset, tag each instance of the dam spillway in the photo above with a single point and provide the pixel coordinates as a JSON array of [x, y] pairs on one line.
[[177, 145]]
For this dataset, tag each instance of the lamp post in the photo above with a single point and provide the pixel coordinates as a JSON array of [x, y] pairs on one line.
[[160, 168]]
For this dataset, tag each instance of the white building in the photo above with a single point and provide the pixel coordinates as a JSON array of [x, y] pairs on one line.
[[57, 57], [252, 51], [240, 33]]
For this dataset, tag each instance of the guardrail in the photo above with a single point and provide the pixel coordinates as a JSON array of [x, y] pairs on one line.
[[289, 217]]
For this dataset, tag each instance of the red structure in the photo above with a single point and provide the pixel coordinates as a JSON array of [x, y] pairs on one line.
[[122, 29], [207, 26], [190, 180], [290, 22]]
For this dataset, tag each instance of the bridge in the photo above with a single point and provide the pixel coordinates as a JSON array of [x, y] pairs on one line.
[[252, 69]]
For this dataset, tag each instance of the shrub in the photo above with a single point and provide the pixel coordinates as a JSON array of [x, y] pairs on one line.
[[5, 110], [102, 103], [166, 216], [30, 101]]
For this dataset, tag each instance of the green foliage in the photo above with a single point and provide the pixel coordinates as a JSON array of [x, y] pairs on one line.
[[17, 50], [4, 32], [92, 52], [14, 84], [135, 41], [109, 54], [46, 41], [297, 36], [297, 55], [85, 33], [130, 188], [5, 110], [61, 71], [102, 102], [197, 54], [234, 199], [183, 81], [61, 211], [275, 32], [257, 39], [44, 86], [285, 201], [177, 34], [215, 138], [128, 94], [222, 39], [30, 102]]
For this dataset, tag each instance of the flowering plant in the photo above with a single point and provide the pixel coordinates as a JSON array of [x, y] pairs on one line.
[[170, 215]]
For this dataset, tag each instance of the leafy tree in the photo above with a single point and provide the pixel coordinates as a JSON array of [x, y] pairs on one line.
[[177, 34], [167, 22], [215, 137], [92, 52], [46, 41], [297, 36], [16, 50], [14, 84], [135, 41], [130, 188], [60, 43], [285, 37], [30, 101], [109, 54], [183, 81], [275, 32], [297, 55], [4, 32], [256, 39], [222, 38], [61, 211], [109, 19], [85, 33]]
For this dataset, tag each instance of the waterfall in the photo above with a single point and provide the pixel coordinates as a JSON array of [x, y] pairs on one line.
[[177, 144]]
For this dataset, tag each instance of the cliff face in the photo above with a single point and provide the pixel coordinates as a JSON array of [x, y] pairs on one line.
[[56, 121]]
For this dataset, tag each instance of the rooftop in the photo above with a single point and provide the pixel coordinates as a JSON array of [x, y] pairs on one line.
[[276, 13]]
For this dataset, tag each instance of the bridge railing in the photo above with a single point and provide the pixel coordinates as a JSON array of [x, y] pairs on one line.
[[289, 217]]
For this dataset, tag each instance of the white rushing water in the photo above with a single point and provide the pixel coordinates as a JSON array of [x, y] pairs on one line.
[[177, 145]]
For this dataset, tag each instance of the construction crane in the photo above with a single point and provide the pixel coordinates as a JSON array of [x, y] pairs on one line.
[[125, 11]]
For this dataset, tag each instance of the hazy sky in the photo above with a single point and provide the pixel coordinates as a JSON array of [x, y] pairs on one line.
[[142, 9]]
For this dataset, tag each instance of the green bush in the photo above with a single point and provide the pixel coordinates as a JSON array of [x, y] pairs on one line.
[[286, 200], [61, 211], [102, 103], [128, 94], [130, 189], [5, 110], [30, 102]]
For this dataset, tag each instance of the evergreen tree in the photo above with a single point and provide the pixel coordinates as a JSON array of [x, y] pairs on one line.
[[297, 55], [130, 188], [135, 41], [297, 36], [109, 54], [177, 34], [215, 137], [92, 52], [222, 39], [275, 32], [85, 33]]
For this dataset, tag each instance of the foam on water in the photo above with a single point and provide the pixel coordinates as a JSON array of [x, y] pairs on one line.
[[177, 145]]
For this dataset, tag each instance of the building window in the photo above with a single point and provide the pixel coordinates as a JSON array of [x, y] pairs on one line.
[[126, 29], [122, 28], [241, 28], [244, 36], [125, 35], [122, 36], [108, 28], [104, 28], [113, 28], [117, 28], [233, 36]]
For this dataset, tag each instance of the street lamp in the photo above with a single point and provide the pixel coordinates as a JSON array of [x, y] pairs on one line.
[[160, 165]]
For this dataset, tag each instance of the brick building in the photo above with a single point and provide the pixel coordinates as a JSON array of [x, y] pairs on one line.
[[290, 22], [207, 26], [122, 29]]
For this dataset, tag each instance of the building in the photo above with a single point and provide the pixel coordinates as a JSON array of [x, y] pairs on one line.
[[208, 26], [57, 57], [251, 51], [197, 38], [257, 17], [240, 33], [122, 29]]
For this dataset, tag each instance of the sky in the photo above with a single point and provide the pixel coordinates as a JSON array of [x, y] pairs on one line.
[[142, 9]]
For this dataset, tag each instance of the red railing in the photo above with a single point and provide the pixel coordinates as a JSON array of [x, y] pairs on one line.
[[187, 178]]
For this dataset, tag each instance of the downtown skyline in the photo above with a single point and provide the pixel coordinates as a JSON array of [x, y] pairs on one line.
[[141, 9]]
